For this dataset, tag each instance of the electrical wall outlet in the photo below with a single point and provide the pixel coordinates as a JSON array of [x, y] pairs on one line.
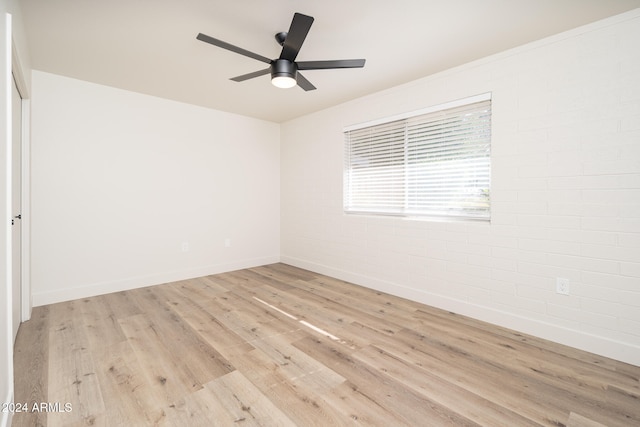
[[227, 242], [185, 246], [562, 286]]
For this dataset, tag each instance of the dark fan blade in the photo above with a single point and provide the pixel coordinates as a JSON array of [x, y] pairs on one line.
[[251, 75], [325, 65], [304, 83], [295, 37], [205, 38]]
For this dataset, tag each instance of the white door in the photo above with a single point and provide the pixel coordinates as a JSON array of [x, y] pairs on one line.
[[16, 206]]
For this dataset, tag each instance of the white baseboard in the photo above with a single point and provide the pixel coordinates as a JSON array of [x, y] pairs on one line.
[[68, 294], [602, 346]]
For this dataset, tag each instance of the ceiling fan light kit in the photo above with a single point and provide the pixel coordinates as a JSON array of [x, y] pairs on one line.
[[284, 70], [283, 74]]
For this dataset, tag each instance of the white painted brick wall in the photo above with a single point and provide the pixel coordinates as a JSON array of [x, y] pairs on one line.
[[565, 194]]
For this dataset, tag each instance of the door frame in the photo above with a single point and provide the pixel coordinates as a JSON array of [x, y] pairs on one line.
[[25, 209]]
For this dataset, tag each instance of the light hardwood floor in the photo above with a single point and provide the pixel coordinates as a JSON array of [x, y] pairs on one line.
[[277, 345]]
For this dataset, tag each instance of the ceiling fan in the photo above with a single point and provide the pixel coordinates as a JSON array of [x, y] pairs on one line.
[[284, 69]]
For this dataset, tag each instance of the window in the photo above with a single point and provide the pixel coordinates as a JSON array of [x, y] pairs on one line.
[[433, 162]]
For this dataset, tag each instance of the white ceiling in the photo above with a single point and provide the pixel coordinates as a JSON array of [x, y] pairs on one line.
[[150, 46]]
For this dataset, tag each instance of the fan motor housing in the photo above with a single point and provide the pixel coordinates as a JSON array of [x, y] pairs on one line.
[[283, 68]]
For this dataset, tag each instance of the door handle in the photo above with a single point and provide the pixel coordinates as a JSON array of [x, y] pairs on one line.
[[13, 220]]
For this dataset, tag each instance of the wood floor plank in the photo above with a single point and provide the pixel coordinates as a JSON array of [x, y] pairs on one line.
[[458, 399], [100, 323], [576, 420], [245, 402], [201, 408], [601, 362], [72, 376], [169, 378], [387, 311], [207, 324], [579, 373], [319, 312], [252, 278], [552, 370], [496, 380], [376, 298], [321, 309], [201, 288], [31, 367], [250, 319], [298, 397], [129, 398], [326, 317], [357, 408], [278, 345], [406, 404], [202, 360], [295, 364], [284, 272], [121, 304], [623, 401]]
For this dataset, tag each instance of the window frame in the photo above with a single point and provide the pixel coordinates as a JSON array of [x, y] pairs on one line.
[[461, 213]]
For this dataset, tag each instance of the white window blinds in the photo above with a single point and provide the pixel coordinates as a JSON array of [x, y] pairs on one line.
[[433, 163]]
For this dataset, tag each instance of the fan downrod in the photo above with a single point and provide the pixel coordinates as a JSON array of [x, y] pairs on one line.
[[280, 37]]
